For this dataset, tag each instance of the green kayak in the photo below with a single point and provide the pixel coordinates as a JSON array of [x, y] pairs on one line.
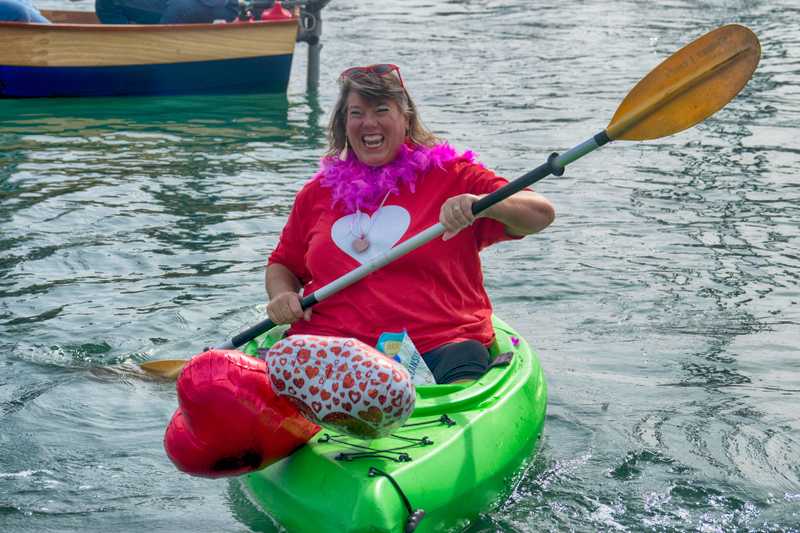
[[457, 455]]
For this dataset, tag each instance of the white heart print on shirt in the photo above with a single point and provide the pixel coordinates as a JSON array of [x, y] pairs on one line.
[[383, 229]]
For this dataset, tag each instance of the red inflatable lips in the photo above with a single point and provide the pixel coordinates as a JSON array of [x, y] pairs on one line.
[[229, 421]]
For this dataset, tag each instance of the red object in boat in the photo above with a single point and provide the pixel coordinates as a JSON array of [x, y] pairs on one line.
[[229, 420], [276, 13]]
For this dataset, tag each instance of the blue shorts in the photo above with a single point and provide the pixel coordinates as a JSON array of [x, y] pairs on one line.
[[165, 11]]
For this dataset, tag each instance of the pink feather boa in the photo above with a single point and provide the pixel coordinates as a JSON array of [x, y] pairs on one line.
[[355, 185]]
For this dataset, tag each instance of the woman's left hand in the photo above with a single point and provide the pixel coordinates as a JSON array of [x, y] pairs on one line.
[[456, 214]]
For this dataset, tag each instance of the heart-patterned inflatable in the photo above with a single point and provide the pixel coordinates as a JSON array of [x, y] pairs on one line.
[[229, 420], [342, 384]]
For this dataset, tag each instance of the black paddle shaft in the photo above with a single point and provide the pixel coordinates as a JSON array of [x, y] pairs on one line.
[[262, 327], [526, 180]]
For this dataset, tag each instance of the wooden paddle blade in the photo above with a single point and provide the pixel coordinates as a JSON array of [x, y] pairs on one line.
[[689, 86], [165, 368]]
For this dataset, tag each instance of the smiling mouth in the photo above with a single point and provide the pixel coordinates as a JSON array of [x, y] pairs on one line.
[[372, 141]]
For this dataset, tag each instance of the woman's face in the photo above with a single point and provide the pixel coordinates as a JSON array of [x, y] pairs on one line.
[[375, 131]]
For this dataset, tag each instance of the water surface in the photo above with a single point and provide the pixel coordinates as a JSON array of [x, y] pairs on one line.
[[663, 301]]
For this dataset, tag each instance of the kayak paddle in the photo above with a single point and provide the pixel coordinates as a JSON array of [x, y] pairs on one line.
[[691, 85]]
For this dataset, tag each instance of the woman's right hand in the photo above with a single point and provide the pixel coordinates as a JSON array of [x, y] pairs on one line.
[[285, 308]]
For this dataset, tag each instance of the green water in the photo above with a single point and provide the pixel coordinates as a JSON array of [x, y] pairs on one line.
[[664, 300]]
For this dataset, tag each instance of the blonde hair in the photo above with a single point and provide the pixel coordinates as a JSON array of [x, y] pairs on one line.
[[373, 88]]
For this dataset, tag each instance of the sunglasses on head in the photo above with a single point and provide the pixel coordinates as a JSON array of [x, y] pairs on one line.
[[380, 69]]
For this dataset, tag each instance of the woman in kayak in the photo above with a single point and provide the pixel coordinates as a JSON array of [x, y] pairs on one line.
[[385, 178]]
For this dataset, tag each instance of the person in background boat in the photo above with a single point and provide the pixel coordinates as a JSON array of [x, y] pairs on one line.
[[20, 11], [384, 178], [165, 11]]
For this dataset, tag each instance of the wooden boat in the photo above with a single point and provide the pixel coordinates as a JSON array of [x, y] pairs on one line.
[[78, 56]]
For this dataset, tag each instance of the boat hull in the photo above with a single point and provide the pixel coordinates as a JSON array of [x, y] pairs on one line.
[[459, 453], [227, 76]]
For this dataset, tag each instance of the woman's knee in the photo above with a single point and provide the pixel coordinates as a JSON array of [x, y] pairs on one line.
[[458, 361]]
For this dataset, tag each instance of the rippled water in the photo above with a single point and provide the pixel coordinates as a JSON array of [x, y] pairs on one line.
[[663, 301]]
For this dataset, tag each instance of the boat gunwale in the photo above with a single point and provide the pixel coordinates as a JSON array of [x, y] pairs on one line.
[[176, 28]]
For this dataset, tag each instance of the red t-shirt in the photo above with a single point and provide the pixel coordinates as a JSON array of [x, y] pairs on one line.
[[435, 292]]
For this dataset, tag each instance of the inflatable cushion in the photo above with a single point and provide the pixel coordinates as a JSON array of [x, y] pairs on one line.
[[342, 384]]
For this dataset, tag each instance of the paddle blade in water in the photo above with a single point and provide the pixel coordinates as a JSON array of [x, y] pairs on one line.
[[689, 86], [165, 368]]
